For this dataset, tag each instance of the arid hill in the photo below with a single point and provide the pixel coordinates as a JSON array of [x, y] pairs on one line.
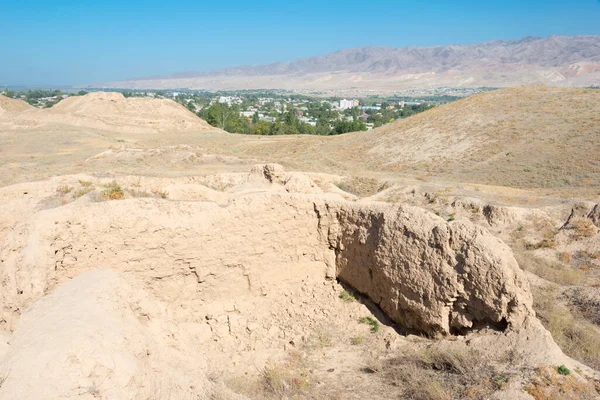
[[520, 137], [8, 105], [525, 137], [113, 112], [554, 60]]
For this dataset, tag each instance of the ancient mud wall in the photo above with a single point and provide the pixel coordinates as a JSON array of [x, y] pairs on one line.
[[425, 273]]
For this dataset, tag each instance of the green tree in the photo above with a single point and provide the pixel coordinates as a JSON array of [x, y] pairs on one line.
[[216, 115], [261, 128], [347, 126], [322, 127]]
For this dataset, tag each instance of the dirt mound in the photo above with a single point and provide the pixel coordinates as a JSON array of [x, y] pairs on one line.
[[8, 105], [113, 112]]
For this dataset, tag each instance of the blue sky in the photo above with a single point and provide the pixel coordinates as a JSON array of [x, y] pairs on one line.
[[79, 41]]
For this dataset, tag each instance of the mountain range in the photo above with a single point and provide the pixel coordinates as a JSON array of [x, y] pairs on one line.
[[554, 60]]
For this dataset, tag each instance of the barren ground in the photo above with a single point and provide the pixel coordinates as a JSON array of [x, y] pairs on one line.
[[154, 259]]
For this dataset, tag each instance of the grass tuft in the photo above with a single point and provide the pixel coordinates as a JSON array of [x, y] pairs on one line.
[[370, 321], [347, 297]]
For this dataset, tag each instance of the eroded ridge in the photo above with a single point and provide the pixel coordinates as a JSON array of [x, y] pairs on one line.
[[425, 273]]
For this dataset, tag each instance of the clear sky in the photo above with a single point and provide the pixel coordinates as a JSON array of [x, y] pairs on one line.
[[68, 42]]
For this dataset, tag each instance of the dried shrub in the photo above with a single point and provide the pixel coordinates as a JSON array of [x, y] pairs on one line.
[[64, 189], [113, 191], [583, 228], [444, 373], [550, 383]]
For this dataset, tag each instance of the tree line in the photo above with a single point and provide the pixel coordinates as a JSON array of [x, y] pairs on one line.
[[229, 119]]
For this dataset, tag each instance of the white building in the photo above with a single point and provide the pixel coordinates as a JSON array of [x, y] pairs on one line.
[[229, 100], [346, 104]]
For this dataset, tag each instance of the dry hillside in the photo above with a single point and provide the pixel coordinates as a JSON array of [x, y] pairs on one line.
[[8, 105], [144, 255], [520, 137], [527, 137], [112, 112]]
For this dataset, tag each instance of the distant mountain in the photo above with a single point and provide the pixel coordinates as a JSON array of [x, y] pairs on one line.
[[556, 60]]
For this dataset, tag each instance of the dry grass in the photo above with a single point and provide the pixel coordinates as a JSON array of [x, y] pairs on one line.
[[552, 271], [356, 340], [160, 193], [289, 378], [361, 186], [548, 383], [64, 189], [576, 336], [82, 191], [583, 228], [437, 373], [85, 184]]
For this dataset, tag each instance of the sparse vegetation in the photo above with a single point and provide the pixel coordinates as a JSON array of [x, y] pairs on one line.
[[577, 337], [287, 378], [64, 189], [160, 193], [549, 383], [370, 321], [113, 191], [347, 297], [563, 370], [356, 340], [359, 186], [82, 191], [445, 373], [583, 228], [85, 184]]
